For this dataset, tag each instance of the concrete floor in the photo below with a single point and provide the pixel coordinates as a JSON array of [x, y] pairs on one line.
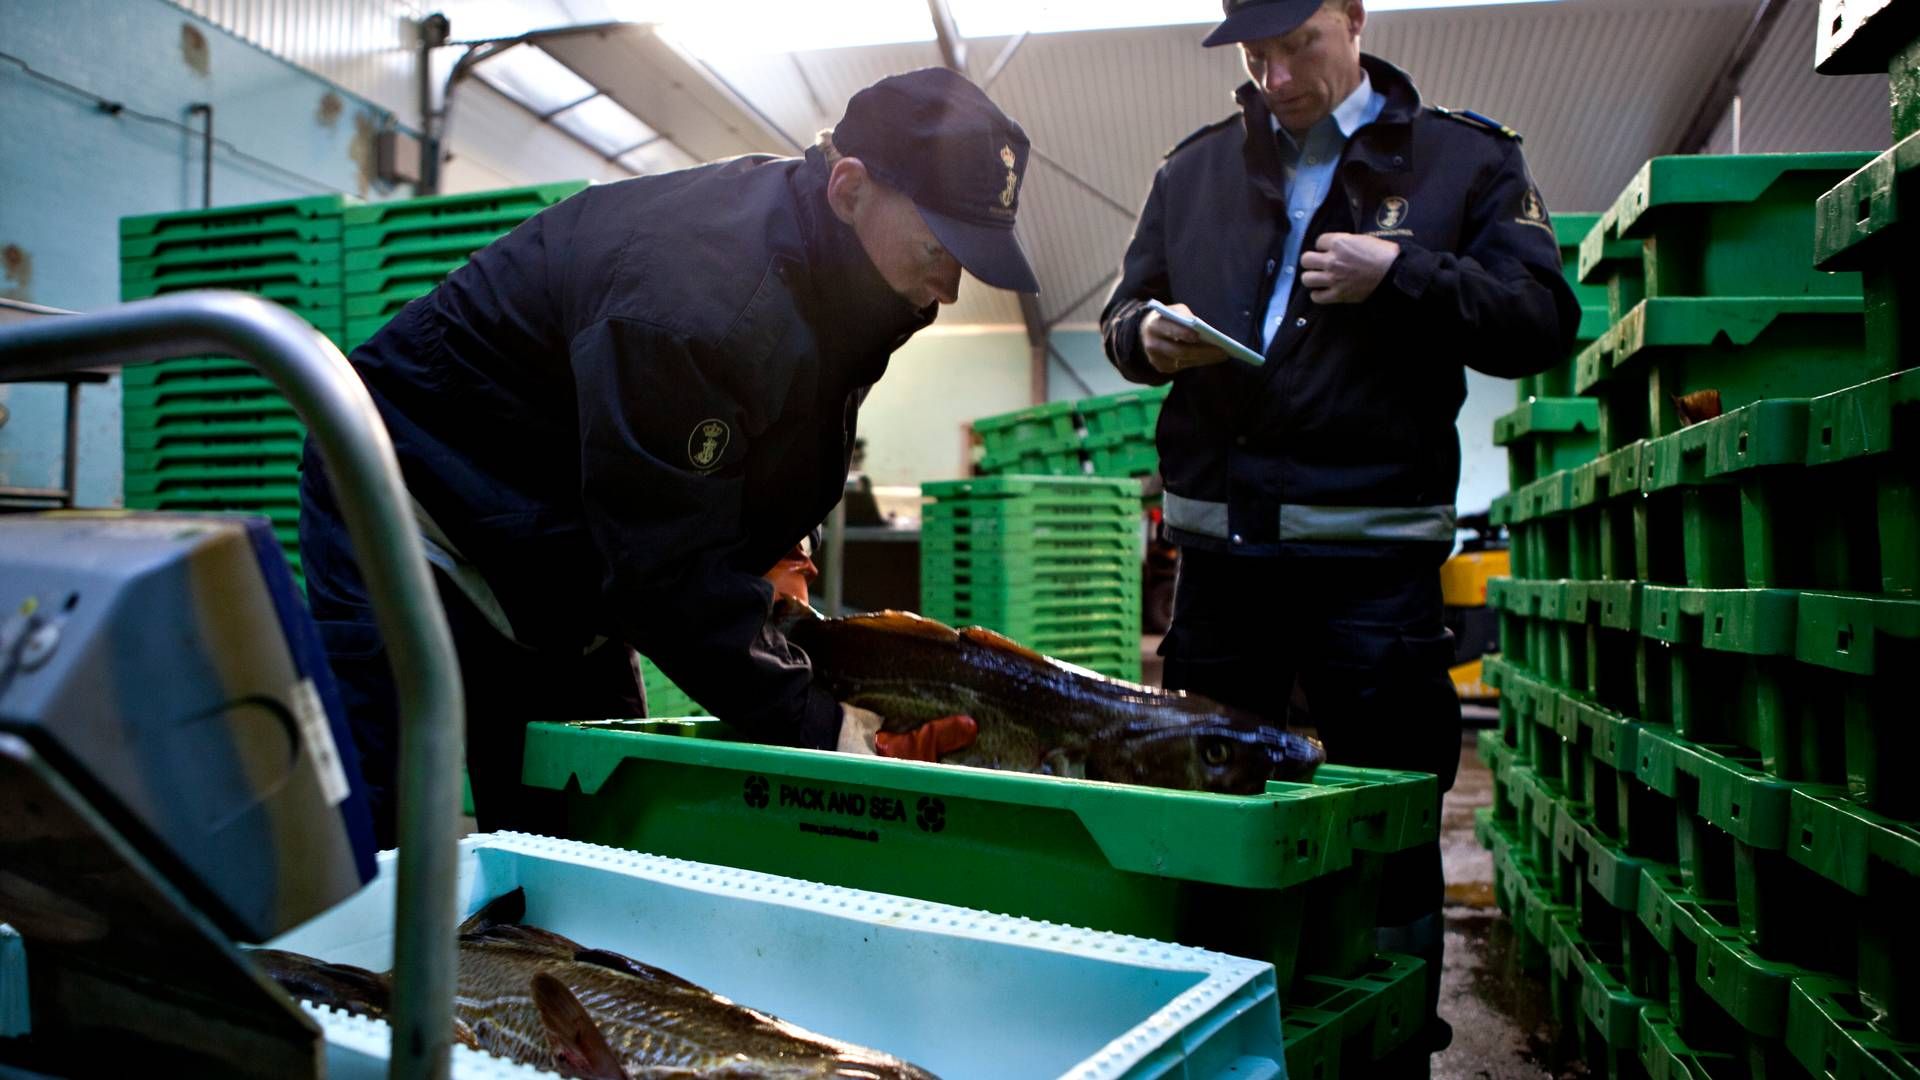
[[1498, 1013]]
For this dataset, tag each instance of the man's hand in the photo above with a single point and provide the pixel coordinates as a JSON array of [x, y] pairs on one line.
[[1345, 268], [930, 740], [1172, 347], [860, 734]]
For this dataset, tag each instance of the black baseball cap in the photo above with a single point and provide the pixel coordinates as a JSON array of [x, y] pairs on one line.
[[936, 137], [1252, 20]]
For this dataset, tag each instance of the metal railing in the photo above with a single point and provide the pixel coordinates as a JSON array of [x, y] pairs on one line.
[[353, 442]]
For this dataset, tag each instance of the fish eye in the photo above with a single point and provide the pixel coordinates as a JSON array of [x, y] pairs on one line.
[[1215, 752]]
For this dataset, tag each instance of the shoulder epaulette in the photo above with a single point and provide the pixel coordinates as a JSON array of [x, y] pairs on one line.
[[1215, 126], [1474, 119]]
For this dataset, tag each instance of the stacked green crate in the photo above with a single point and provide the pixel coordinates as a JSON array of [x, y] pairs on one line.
[[1700, 819], [1551, 429], [664, 699], [1051, 562], [1120, 431], [397, 251], [214, 435], [1044, 440]]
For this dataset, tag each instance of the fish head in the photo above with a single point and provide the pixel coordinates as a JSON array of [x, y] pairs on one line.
[[1205, 755]]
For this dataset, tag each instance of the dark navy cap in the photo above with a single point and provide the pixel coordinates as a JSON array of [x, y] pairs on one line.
[[1252, 20], [937, 138]]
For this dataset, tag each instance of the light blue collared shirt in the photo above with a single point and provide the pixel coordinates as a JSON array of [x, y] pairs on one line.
[[1307, 186]]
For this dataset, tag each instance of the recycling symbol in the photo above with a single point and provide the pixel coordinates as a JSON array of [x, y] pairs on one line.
[[932, 815], [756, 792]]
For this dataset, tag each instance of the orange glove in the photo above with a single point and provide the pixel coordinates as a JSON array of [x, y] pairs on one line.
[[930, 740]]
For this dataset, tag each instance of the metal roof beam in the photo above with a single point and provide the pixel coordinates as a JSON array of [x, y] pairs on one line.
[[1720, 93]]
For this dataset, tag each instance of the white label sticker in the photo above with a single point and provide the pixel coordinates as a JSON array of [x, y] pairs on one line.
[[318, 736]]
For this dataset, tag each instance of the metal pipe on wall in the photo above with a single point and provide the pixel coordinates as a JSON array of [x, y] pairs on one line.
[[206, 152]]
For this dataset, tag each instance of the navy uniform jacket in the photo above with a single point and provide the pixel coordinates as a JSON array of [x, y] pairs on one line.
[[625, 411], [1345, 439]]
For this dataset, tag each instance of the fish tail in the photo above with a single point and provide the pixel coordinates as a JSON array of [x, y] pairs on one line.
[[507, 909]]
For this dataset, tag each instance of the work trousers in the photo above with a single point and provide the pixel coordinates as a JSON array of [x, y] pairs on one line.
[[1365, 638]]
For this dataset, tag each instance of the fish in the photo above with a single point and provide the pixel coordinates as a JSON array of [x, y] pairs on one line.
[[1037, 714], [538, 998], [1697, 407]]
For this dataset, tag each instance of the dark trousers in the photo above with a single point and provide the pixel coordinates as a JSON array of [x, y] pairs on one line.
[[506, 686], [1365, 638]]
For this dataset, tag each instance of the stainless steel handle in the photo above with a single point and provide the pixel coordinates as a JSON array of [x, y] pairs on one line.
[[353, 442]]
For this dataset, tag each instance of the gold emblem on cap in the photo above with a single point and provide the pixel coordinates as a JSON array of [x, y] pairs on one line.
[[1013, 178]]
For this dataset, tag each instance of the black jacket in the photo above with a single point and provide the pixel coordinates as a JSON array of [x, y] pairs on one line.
[[1346, 436], [628, 409]]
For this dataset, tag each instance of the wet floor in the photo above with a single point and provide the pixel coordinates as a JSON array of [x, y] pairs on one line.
[[1499, 1013]]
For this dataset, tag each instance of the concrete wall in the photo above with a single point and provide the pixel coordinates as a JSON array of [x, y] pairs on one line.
[[69, 171]]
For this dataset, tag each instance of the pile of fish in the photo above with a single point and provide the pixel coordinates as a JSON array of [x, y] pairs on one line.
[[537, 998], [1037, 714]]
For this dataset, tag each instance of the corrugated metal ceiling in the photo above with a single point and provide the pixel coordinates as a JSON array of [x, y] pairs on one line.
[[1597, 87]]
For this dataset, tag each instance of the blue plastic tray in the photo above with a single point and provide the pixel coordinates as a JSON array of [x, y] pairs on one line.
[[960, 992]]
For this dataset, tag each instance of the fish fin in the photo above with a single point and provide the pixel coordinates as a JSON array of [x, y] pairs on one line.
[[343, 986], [903, 622], [627, 965], [578, 1046], [1059, 762], [507, 909], [988, 639]]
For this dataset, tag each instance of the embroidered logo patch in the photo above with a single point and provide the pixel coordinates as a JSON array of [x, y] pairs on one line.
[[1393, 211], [707, 443], [1533, 210]]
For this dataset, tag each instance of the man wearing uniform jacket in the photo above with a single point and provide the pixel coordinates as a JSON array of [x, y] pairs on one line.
[[1370, 248], [616, 418]]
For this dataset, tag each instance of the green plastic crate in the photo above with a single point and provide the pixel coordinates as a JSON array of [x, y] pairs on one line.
[[257, 277], [1340, 1027], [230, 251], [1732, 225], [1131, 412], [1865, 445], [664, 698], [1062, 457], [1744, 349], [247, 218], [1546, 435], [1003, 487], [1008, 434], [1832, 1033], [1123, 454], [1230, 871], [516, 203], [419, 272]]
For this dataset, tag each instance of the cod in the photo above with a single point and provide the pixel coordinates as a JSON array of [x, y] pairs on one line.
[[1036, 714]]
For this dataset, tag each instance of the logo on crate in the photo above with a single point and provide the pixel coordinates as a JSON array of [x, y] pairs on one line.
[[707, 443], [756, 792], [931, 814]]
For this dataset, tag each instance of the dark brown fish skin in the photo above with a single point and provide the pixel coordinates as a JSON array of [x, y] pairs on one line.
[[1039, 715], [659, 1024]]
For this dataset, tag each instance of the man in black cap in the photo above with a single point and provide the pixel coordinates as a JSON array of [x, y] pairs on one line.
[[1370, 249], [616, 418]]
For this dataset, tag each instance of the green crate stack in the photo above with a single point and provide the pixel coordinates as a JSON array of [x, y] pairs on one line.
[[664, 699], [1290, 876], [1550, 429], [1044, 440], [1052, 562], [213, 435], [1701, 821], [397, 251]]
